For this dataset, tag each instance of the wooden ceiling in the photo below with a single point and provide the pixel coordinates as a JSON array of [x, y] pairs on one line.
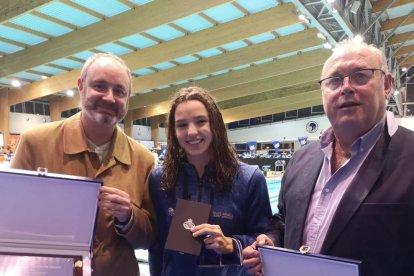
[[277, 75]]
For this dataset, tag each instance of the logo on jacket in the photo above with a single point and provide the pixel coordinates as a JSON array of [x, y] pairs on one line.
[[171, 212]]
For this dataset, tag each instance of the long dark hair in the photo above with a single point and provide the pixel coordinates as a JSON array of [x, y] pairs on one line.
[[223, 163]]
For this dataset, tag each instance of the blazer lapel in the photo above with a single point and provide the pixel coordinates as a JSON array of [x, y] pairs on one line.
[[360, 187], [306, 180]]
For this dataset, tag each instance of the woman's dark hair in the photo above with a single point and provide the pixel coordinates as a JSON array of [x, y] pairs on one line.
[[223, 164]]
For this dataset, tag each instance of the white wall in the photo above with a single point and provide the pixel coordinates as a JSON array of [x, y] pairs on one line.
[[288, 130], [292, 129], [162, 135], [407, 122], [19, 122], [283, 131], [141, 132]]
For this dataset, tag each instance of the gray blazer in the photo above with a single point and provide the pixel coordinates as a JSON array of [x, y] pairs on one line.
[[374, 221]]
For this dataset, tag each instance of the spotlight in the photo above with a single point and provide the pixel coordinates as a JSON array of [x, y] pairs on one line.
[[16, 83], [44, 77], [321, 36], [303, 18], [70, 92], [358, 38], [327, 45]]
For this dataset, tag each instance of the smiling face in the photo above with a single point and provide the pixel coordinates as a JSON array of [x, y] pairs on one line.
[[104, 93], [192, 129], [351, 108]]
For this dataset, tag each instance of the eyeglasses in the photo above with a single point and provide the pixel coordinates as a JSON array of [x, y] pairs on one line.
[[357, 78]]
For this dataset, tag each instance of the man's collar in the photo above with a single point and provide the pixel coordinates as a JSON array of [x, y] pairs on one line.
[[121, 150], [74, 140], [388, 120]]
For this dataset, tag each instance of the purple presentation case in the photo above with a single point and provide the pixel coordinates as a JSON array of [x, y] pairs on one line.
[[47, 223], [280, 261]]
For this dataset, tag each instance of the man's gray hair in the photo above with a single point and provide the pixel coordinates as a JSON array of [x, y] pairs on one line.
[[97, 56], [354, 43]]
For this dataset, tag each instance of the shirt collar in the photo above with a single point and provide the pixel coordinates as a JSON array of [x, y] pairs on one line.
[[74, 140], [366, 140]]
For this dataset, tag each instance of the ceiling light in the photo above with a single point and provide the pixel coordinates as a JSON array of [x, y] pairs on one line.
[[358, 38], [44, 77], [327, 45], [70, 92], [16, 83], [303, 18], [330, 1], [404, 69], [321, 36]]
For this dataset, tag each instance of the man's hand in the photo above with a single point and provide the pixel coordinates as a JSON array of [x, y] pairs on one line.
[[116, 203], [251, 256]]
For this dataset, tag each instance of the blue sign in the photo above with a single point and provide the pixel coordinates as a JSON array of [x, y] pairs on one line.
[[303, 140]]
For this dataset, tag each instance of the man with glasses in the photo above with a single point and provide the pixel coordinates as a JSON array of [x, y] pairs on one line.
[[350, 195]]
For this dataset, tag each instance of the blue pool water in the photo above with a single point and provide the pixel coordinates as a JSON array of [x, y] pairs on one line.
[[273, 187]]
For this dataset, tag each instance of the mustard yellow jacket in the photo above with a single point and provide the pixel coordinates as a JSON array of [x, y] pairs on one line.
[[61, 148]]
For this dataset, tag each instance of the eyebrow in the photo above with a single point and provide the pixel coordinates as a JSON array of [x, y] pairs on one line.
[[196, 118], [335, 73], [102, 81]]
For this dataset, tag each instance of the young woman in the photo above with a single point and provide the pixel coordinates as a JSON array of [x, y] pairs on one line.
[[202, 166]]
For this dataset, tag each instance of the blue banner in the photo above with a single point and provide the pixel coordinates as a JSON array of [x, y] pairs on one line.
[[276, 145], [163, 150], [303, 140], [252, 148]]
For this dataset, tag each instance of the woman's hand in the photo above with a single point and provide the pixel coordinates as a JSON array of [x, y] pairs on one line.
[[214, 238]]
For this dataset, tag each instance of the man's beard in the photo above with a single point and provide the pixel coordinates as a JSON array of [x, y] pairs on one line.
[[91, 110]]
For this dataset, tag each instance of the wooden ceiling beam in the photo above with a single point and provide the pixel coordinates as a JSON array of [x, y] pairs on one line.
[[305, 98], [224, 33], [83, 9], [246, 55], [283, 45], [239, 29], [42, 88], [257, 72], [12, 8], [380, 5], [308, 60], [400, 38], [268, 95], [404, 50], [293, 102], [111, 29], [13, 42], [54, 20], [27, 30], [408, 62], [285, 84], [392, 23]]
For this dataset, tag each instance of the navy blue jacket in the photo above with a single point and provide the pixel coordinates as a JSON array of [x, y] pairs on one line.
[[241, 213]]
